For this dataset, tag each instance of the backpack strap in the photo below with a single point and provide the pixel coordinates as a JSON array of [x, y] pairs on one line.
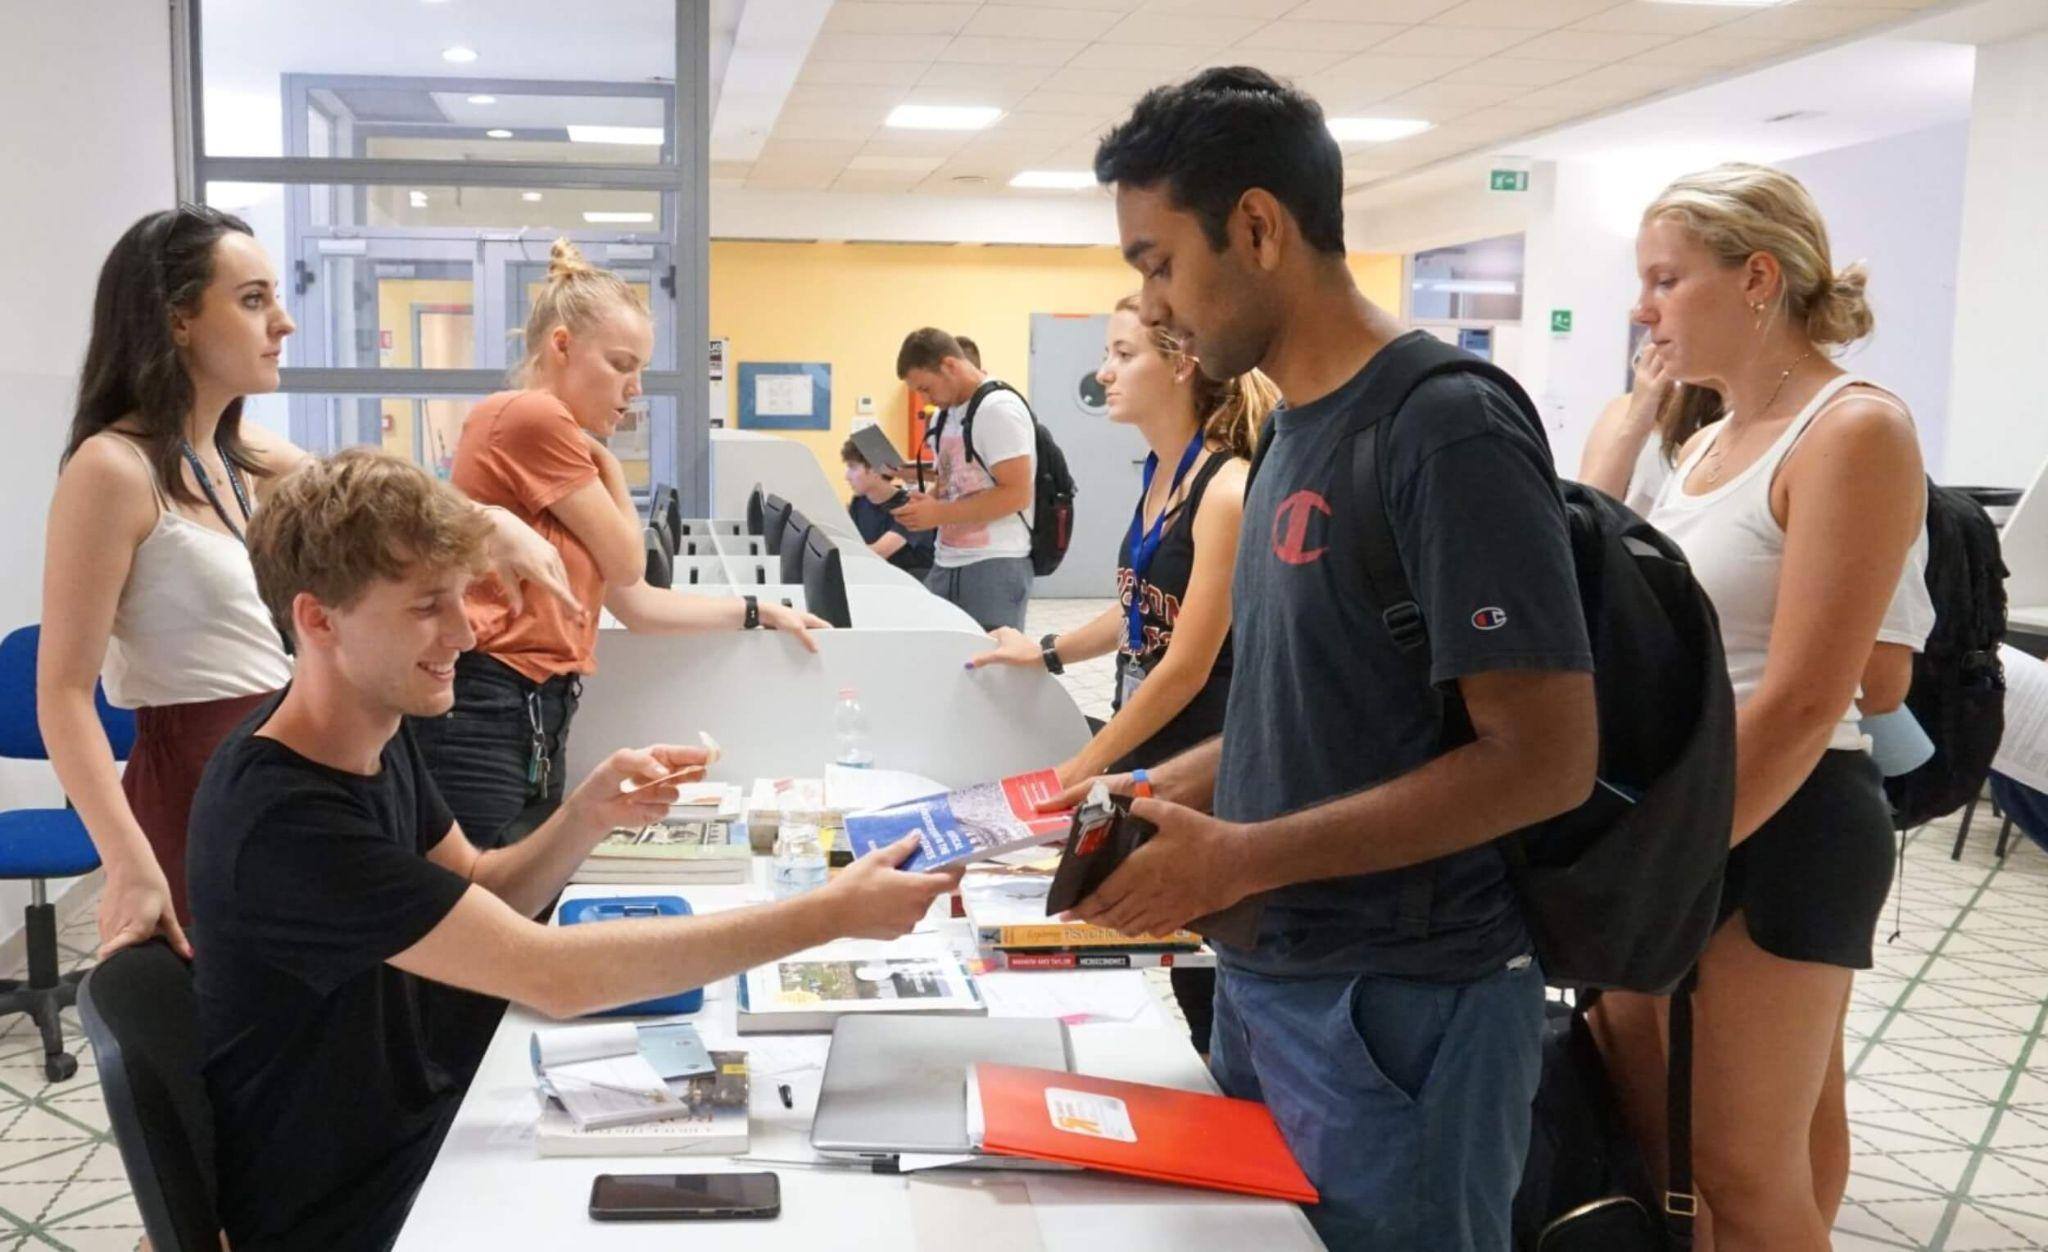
[[988, 388], [1681, 1199]]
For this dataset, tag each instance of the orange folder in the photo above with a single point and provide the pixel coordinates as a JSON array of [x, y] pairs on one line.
[[1162, 1133]]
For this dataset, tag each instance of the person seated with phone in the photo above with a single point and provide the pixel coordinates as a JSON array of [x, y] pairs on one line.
[[876, 496], [330, 882]]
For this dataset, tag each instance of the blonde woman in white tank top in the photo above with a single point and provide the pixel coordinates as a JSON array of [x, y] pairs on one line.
[[1798, 512], [145, 579]]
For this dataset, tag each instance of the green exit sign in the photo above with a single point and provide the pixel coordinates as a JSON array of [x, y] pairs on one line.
[[1560, 321], [1509, 180]]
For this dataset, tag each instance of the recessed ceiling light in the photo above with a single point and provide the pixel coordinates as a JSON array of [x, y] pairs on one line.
[[483, 99], [649, 136], [498, 132], [941, 116], [606, 217], [458, 55], [1375, 129], [530, 197], [1055, 180]]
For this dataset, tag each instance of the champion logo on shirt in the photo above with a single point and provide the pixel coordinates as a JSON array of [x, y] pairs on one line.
[[1299, 522], [1489, 619]]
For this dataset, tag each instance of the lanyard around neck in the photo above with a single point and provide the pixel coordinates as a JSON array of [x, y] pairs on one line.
[[1145, 545], [206, 485]]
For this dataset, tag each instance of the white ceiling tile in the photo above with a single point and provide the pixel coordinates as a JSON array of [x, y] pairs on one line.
[[868, 17], [1370, 10], [1443, 100], [1290, 63], [996, 77], [827, 124], [779, 151], [1261, 9], [808, 95], [1527, 14], [1581, 45], [1340, 36], [938, 143], [1520, 117], [1450, 41], [1157, 59], [1713, 51], [1649, 72], [1516, 72], [835, 46], [1583, 94], [854, 181], [859, 73], [1645, 17], [1873, 4], [1038, 125], [1082, 103], [985, 94], [1801, 22], [1129, 82], [1378, 69], [1017, 21], [730, 169], [1200, 30], [918, 165], [974, 50], [1090, 6], [776, 179]]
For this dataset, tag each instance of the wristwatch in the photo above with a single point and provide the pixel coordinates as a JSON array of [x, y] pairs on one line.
[[752, 620], [1050, 655]]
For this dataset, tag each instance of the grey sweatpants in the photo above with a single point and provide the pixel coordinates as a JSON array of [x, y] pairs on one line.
[[993, 592]]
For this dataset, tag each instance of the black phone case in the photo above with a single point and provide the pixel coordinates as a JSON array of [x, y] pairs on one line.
[[1097, 844]]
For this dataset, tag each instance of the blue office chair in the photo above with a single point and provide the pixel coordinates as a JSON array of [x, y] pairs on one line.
[[41, 844]]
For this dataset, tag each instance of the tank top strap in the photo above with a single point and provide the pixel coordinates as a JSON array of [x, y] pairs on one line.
[[1192, 503], [156, 486]]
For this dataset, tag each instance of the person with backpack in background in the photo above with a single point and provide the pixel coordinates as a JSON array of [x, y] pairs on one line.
[[1797, 512], [983, 503], [1390, 1012]]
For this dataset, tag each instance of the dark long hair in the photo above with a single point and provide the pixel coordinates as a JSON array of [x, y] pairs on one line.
[[132, 368]]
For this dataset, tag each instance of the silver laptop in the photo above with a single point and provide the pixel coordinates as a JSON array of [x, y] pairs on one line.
[[898, 1084]]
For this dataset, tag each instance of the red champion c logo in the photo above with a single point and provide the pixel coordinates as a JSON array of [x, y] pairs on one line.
[[1290, 528]]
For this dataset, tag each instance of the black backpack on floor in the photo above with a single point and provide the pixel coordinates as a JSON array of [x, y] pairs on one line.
[[1052, 500], [1958, 691], [1623, 891]]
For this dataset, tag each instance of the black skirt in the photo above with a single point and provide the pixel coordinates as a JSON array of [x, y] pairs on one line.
[[1811, 882]]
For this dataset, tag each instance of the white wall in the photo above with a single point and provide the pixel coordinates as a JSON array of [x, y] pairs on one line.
[[87, 151], [1996, 431], [1897, 205]]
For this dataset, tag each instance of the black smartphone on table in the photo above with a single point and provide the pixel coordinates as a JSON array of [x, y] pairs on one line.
[[684, 1197]]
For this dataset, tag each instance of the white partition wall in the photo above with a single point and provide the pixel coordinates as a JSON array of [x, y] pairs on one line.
[[741, 458]]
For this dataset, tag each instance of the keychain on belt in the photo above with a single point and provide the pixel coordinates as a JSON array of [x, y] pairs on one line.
[[538, 767]]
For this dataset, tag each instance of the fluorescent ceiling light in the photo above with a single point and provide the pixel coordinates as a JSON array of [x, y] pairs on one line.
[[605, 217], [941, 116], [647, 136], [1055, 180], [531, 197], [483, 99], [499, 132], [1375, 129], [458, 55]]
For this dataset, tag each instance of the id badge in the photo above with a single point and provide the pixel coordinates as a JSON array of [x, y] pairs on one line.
[[1131, 677]]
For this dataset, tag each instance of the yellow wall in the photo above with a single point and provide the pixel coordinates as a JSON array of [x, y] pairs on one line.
[[851, 304]]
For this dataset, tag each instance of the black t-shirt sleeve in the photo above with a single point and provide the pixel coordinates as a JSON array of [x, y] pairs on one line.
[[436, 819], [1482, 535], [325, 893]]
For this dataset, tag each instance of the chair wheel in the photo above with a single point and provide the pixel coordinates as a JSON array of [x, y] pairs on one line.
[[59, 1066]]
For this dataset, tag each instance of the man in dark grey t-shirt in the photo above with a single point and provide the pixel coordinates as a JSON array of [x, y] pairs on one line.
[[1390, 1011]]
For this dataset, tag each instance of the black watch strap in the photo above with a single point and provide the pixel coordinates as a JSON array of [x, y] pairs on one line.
[[1049, 653], [752, 621]]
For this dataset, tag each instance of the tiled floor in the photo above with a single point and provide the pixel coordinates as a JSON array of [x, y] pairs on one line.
[[1948, 1093]]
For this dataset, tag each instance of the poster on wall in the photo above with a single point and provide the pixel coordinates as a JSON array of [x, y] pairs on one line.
[[786, 395], [720, 348]]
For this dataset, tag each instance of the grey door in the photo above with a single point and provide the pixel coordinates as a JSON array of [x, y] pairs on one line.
[[1105, 458]]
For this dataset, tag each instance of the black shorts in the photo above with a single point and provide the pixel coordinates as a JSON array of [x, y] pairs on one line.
[[1812, 881]]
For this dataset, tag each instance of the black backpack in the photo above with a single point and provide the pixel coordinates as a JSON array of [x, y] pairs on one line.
[[1052, 515], [1624, 890], [1958, 691]]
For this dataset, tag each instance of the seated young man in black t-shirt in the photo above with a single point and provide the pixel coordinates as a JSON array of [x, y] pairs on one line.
[[906, 549], [328, 878]]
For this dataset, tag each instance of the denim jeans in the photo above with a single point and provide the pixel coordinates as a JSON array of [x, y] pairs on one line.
[[1406, 1102]]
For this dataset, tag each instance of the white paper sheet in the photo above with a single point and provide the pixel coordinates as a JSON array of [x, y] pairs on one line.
[[1074, 998], [782, 395], [2023, 752]]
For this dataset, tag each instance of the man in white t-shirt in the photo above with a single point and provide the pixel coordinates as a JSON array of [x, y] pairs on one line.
[[982, 504]]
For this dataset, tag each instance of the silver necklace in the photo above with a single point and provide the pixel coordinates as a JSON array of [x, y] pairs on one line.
[[1715, 453]]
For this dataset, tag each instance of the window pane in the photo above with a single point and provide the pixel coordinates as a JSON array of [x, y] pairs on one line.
[[398, 78], [425, 429], [1479, 281]]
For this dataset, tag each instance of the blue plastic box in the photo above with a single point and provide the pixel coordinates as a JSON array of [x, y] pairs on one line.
[[612, 908]]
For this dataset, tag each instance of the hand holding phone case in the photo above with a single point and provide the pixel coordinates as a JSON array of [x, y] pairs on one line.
[[1102, 836]]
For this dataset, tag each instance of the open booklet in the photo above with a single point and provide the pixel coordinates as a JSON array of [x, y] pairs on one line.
[[970, 824], [617, 1073]]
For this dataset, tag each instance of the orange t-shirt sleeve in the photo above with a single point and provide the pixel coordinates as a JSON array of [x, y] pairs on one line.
[[542, 454]]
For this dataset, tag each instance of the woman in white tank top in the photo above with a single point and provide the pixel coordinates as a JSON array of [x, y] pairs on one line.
[[1797, 513], [145, 579]]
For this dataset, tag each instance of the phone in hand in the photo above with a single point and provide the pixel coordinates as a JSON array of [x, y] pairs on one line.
[[897, 501], [684, 1197]]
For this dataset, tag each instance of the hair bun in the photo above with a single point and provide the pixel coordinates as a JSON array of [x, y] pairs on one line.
[[1841, 312], [566, 260]]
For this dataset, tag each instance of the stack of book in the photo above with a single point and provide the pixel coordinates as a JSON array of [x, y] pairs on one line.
[[621, 1090], [675, 850], [1006, 907]]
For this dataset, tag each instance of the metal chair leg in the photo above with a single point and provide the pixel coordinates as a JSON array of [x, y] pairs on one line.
[[1963, 831], [2004, 838]]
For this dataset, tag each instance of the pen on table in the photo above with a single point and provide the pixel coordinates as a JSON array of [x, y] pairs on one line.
[[788, 1101]]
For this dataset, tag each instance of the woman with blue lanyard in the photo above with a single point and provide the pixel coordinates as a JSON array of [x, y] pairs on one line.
[[1170, 627]]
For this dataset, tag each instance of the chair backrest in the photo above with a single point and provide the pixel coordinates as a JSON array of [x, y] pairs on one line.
[[672, 512], [775, 513], [755, 504], [21, 736], [661, 569], [141, 1015], [794, 536], [824, 579]]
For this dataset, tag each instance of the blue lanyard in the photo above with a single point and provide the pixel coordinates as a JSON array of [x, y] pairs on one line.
[[1146, 546], [206, 485]]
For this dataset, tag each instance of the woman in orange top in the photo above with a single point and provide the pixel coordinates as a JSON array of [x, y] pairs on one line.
[[539, 452]]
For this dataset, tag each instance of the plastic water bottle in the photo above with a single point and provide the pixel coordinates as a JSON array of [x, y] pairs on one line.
[[799, 863], [850, 728]]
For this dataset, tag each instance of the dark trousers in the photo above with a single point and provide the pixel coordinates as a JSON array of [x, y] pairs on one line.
[[501, 777]]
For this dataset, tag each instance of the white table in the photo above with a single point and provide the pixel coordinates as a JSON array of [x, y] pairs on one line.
[[489, 1190]]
